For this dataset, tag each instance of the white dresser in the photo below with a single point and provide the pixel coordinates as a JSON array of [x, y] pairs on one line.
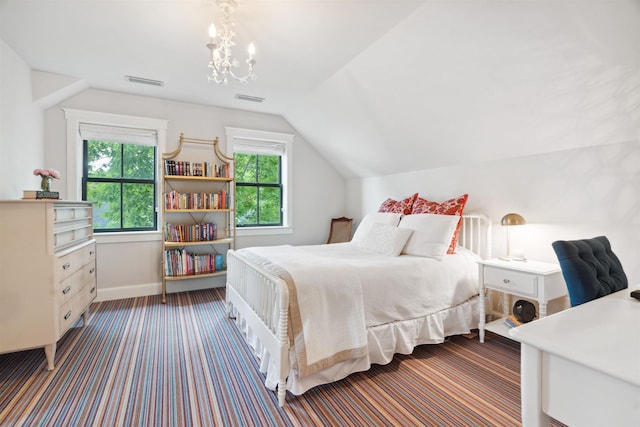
[[47, 272]]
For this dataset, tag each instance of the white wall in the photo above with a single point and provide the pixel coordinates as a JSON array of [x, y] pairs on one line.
[[572, 194], [128, 269], [465, 81], [20, 127]]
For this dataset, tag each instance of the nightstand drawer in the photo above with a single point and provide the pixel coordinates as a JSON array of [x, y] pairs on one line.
[[511, 281]]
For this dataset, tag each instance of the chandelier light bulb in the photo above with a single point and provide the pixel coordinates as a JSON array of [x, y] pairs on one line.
[[252, 50], [212, 31]]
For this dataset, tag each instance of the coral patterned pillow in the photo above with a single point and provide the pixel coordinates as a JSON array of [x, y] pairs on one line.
[[403, 206], [448, 207]]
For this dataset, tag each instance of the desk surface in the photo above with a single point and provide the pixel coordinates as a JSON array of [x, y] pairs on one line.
[[603, 335]]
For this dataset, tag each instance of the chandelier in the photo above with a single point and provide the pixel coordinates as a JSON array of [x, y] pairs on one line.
[[221, 62]]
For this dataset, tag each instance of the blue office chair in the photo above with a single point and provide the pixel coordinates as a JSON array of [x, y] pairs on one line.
[[590, 268]]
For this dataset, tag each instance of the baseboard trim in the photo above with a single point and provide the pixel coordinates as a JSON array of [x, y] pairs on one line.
[[131, 291], [147, 289]]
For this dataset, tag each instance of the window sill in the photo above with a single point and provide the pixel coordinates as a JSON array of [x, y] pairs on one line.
[[262, 231], [128, 237], [156, 236]]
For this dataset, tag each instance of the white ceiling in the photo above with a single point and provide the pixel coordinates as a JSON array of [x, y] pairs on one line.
[[377, 86]]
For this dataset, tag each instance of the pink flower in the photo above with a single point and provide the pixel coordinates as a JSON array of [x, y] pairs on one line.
[[47, 172]]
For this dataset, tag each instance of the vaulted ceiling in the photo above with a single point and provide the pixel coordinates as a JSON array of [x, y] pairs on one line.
[[377, 86]]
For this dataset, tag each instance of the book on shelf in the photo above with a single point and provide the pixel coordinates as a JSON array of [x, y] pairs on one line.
[[39, 194], [190, 233], [204, 169], [222, 171], [511, 321], [182, 263], [175, 200]]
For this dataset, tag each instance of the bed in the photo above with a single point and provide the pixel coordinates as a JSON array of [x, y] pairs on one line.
[[376, 304]]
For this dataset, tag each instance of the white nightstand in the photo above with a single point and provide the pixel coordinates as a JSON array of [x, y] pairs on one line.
[[532, 280]]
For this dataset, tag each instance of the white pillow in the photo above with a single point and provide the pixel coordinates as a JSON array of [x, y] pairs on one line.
[[385, 239], [389, 218], [431, 234]]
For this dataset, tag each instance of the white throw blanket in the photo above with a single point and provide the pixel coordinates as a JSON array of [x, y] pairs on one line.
[[326, 312]]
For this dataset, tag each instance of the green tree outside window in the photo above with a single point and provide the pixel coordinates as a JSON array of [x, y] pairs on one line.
[[120, 179], [258, 190]]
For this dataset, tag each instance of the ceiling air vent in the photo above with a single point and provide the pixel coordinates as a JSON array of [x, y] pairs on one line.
[[248, 98], [144, 81]]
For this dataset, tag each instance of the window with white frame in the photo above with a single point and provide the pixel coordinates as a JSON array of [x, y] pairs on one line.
[[263, 180], [119, 176], [113, 161]]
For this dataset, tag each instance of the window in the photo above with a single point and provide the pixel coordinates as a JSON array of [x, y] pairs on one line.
[[258, 189], [121, 180], [263, 180], [85, 125]]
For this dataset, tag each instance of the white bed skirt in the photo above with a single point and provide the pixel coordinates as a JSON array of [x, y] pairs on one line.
[[383, 342]]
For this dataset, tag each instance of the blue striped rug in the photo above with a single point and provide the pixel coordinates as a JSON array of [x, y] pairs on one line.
[[142, 363]]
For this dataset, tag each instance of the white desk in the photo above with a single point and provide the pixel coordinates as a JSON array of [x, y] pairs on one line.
[[582, 366]]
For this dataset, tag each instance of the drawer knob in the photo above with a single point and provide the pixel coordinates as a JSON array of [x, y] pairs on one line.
[[66, 266], [66, 290], [92, 270], [506, 281], [92, 290], [92, 252], [66, 316]]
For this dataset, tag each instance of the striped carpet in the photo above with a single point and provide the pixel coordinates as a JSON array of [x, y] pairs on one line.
[[142, 363]]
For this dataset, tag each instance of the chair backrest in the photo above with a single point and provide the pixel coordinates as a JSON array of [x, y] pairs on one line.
[[590, 268], [340, 230]]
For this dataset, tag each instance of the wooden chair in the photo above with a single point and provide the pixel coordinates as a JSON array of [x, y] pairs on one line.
[[340, 230]]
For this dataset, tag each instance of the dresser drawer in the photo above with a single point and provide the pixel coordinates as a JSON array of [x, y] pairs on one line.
[[88, 253], [511, 281], [68, 264], [69, 236], [63, 214], [76, 304], [73, 284], [88, 294], [67, 314], [71, 225]]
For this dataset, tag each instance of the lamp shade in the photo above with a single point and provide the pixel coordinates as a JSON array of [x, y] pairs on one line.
[[512, 219]]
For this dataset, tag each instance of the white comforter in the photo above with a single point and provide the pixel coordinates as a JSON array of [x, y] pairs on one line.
[[406, 287], [366, 290]]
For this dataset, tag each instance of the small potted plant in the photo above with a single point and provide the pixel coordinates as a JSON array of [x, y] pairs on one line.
[[46, 175]]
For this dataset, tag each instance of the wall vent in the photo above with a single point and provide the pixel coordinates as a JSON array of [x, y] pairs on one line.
[[249, 98], [144, 81]]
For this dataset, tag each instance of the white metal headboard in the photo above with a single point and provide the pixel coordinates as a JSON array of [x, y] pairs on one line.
[[475, 234]]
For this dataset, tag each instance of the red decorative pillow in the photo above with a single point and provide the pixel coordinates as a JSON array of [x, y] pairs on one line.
[[402, 207], [448, 207]]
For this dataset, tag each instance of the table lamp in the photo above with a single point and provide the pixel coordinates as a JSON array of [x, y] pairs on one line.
[[509, 220]]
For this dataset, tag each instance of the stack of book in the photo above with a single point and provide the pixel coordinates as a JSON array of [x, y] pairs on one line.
[[38, 194], [511, 321], [174, 200], [180, 168], [190, 233], [182, 263]]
